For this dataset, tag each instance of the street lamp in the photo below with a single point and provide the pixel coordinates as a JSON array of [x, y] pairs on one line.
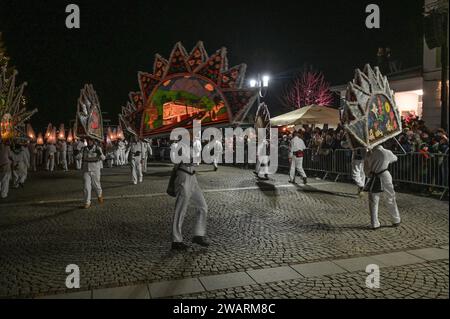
[[262, 83]]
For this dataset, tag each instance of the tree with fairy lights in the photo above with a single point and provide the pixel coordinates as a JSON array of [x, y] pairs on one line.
[[307, 88]]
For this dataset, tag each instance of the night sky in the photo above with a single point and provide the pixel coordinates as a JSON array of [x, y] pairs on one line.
[[119, 38]]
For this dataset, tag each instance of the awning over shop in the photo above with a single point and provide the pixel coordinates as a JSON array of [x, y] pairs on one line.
[[313, 114]]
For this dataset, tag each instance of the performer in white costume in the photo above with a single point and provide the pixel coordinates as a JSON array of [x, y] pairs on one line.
[[376, 166], [135, 152], [20, 166], [51, 153], [63, 154], [40, 155], [187, 190], [296, 154], [33, 155], [92, 159], [262, 161], [5, 168], [147, 152], [77, 152], [217, 155], [70, 159]]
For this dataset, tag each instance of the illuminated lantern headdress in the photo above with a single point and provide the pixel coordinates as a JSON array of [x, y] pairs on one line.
[[40, 139], [13, 113], [89, 122], [30, 133], [70, 136], [48, 132], [370, 114], [61, 133], [187, 87]]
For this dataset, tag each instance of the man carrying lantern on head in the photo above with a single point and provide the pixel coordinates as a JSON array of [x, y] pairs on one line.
[[136, 151], [371, 117], [92, 164], [89, 125]]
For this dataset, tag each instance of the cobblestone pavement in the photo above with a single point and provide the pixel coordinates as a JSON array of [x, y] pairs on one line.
[[427, 280], [251, 226]]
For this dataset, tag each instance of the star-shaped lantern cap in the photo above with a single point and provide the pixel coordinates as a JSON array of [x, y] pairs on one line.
[[187, 87], [370, 115], [89, 121], [13, 113]]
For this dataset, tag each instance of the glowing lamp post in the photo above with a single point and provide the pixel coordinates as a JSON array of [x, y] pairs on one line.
[[261, 83]]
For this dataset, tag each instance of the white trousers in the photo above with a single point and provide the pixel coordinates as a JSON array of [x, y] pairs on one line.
[[136, 170], [20, 175], [91, 180], [70, 158], [144, 164], [358, 174], [79, 163], [262, 166], [63, 160], [5, 177], [296, 166], [374, 200], [187, 190], [50, 163]]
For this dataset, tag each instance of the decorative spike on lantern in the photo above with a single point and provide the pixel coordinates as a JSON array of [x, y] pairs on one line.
[[13, 113], [89, 122]]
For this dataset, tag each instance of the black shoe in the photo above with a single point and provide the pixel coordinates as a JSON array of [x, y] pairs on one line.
[[266, 177], [360, 190], [199, 240], [305, 180], [179, 246], [215, 169], [292, 182], [375, 228], [395, 225]]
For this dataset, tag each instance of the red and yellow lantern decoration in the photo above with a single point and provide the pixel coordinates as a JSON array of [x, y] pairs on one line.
[[7, 127]]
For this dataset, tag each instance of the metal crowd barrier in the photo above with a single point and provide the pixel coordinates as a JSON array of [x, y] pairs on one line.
[[413, 168]]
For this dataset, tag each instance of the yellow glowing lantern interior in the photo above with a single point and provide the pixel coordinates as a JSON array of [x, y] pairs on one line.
[[7, 127]]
